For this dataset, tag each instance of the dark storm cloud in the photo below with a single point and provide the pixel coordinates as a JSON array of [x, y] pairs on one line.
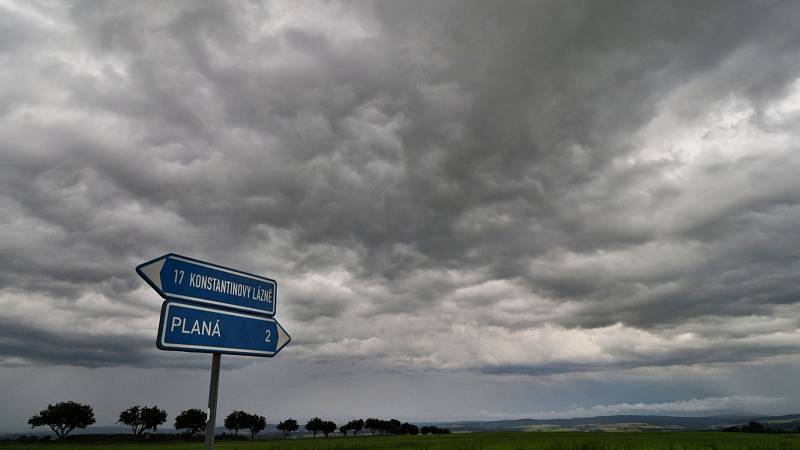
[[547, 169], [25, 343], [43, 346]]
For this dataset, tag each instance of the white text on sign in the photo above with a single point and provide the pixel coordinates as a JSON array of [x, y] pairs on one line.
[[214, 284]]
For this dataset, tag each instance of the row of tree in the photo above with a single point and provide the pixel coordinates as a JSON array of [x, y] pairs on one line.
[[382, 427], [756, 427], [192, 421], [64, 417], [434, 430]]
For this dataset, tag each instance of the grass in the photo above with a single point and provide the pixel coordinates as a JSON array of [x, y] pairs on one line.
[[480, 441]]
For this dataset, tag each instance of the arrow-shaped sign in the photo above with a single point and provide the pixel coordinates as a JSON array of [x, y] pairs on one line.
[[180, 278], [193, 328]]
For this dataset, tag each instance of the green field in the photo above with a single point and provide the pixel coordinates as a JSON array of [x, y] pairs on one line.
[[483, 441]]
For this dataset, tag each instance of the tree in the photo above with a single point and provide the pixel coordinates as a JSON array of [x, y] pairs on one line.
[[387, 426], [63, 417], [314, 425], [255, 424], [152, 417], [328, 427], [753, 427], [354, 425], [132, 417], [288, 426], [141, 419], [236, 420], [408, 428], [193, 420], [373, 425]]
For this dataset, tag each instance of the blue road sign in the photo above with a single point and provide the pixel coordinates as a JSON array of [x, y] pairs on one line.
[[194, 328], [177, 277]]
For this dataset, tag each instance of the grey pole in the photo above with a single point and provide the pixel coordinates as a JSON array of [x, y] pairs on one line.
[[213, 391]]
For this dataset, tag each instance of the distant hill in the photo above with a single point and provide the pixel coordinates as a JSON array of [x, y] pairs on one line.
[[625, 423]]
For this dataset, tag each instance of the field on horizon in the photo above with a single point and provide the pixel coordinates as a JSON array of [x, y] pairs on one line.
[[480, 441]]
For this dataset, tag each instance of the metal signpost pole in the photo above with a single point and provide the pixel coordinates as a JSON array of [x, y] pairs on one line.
[[213, 390]]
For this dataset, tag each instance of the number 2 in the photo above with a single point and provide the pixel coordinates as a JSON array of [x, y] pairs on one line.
[[269, 335]]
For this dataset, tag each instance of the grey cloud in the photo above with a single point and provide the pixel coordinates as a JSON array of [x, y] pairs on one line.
[[448, 145], [708, 357], [27, 343], [44, 346], [309, 309]]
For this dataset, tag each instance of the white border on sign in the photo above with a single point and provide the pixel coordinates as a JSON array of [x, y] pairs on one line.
[[205, 347], [232, 272]]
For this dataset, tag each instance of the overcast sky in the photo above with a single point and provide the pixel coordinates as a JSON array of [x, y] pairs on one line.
[[473, 209]]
